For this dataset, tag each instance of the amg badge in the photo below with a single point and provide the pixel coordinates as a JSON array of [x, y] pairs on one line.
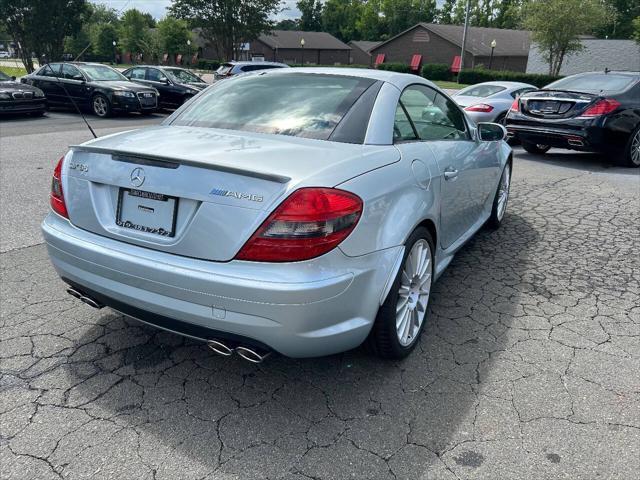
[[239, 195]]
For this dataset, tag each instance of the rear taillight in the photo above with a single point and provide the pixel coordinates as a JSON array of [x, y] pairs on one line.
[[309, 223], [601, 107], [480, 107], [57, 197], [515, 106]]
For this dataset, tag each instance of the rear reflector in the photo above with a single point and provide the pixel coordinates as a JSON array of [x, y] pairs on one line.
[[56, 198], [311, 222], [601, 107], [515, 106], [480, 107]]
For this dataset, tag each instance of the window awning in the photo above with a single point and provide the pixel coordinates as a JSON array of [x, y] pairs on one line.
[[415, 62], [379, 59], [456, 64]]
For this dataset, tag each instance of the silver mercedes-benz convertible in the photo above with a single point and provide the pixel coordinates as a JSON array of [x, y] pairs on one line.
[[302, 211]]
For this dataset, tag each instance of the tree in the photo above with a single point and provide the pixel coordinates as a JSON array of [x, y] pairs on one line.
[[372, 25], [556, 25], [226, 24], [636, 29], [620, 24], [102, 37], [134, 31], [287, 24], [40, 26], [446, 13], [173, 34], [311, 18], [339, 18]]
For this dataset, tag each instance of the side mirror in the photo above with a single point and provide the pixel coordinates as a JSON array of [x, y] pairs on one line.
[[79, 78], [164, 80], [13, 78], [491, 132]]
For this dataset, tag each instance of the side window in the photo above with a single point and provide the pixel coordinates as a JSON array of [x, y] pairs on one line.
[[51, 70], [136, 74], [70, 72], [402, 128], [434, 116], [155, 75]]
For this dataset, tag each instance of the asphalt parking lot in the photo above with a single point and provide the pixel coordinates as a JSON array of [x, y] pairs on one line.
[[528, 367]]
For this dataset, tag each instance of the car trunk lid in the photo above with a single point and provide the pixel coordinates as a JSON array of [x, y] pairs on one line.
[[555, 104], [196, 192]]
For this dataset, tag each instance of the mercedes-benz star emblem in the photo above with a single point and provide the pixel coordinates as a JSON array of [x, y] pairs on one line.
[[137, 177]]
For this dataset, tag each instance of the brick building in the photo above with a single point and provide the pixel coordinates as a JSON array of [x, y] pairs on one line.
[[442, 43], [285, 46]]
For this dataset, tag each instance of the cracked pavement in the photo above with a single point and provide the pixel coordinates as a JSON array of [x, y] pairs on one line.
[[528, 366]]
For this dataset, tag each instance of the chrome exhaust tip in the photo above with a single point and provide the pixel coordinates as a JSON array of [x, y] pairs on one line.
[[74, 293], [575, 142], [220, 348], [252, 355], [84, 298]]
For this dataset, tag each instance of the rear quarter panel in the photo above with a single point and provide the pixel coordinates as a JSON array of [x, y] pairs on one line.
[[397, 198]]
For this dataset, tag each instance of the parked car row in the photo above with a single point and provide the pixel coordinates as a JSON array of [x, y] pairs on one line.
[[589, 112]]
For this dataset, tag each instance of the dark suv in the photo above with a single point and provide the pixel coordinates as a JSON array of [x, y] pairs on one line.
[[593, 112]]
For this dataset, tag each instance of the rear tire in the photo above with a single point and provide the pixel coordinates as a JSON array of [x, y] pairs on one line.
[[100, 106], [501, 199], [535, 148], [402, 316], [630, 157]]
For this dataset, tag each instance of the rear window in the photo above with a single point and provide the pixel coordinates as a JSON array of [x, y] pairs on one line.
[[298, 104], [481, 90], [594, 83]]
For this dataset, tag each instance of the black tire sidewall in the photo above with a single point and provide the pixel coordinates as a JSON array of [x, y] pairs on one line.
[[494, 222], [383, 338], [626, 160]]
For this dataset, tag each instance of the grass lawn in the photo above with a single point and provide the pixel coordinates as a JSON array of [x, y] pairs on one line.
[[13, 71], [451, 85]]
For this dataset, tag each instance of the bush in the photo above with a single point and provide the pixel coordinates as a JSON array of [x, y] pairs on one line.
[[437, 71], [395, 67], [479, 75], [204, 64]]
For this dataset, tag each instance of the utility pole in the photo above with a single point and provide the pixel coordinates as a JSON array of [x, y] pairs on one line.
[[464, 36]]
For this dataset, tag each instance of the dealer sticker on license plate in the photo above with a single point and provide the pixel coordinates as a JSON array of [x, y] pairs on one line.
[[147, 212]]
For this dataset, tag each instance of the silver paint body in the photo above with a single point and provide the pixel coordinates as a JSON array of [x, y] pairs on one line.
[[300, 309], [501, 101]]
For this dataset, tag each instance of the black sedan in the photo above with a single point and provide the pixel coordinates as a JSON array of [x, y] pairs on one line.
[[92, 85], [18, 98], [175, 85], [592, 112]]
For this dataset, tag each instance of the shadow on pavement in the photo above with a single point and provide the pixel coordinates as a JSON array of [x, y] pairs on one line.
[[339, 416], [590, 162]]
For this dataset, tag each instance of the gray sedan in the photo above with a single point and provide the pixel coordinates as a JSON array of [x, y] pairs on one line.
[[490, 101], [303, 211]]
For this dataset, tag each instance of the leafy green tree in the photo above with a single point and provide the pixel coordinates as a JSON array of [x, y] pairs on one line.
[[636, 29], [134, 31], [620, 24], [311, 18], [102, 37], [371, 24], [402, 14], [446, 12], [173, 34], [556, 25], [508, 14], [339, 18], [226, 24], [287, 24], [40, 26]]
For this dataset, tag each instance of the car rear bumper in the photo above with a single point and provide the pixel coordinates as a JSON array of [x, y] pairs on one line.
[[319, 307], [575, 139]]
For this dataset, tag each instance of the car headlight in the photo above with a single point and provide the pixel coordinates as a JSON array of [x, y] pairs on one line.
[[5, 95], [123, 93], [191, 91], [38, 94]]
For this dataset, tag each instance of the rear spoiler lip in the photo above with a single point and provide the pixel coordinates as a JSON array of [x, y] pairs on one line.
[[135, 157]]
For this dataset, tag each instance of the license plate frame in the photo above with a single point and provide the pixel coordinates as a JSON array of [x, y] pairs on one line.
[[153, 199]]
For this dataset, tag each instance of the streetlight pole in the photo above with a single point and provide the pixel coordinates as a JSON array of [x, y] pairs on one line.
[[302, 45], [115, 53], [464, 36], [493, 46]]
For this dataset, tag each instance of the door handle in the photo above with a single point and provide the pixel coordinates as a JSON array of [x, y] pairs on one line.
[[450, 174]]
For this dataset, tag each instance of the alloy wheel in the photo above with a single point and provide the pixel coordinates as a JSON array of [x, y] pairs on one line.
[[503, 192], [100, 106], [635, 148], [413, 295]]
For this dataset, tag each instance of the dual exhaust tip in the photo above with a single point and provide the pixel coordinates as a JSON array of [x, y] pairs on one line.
[[250, 354], [84, 298]]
